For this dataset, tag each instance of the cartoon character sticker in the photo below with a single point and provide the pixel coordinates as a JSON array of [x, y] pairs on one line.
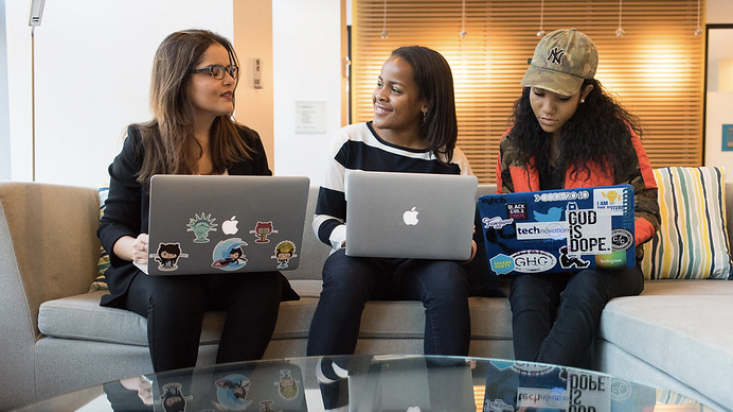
[[284, 251], [201, 225], [287, 387], [173, 399], [231, 392], [262, 230], [168, 255], [229, 255], [266, 406], [568, 260]]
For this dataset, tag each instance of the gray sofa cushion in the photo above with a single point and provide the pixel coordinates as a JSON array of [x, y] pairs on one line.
[[81, 318], [677, 335]]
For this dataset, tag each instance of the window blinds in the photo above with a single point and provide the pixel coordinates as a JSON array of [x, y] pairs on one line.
[[655, 69]]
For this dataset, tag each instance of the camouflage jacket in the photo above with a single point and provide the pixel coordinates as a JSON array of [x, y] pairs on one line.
[[513, 174]]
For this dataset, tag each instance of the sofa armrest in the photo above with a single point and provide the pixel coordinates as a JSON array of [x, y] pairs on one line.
[[48, 249], [48, 244]]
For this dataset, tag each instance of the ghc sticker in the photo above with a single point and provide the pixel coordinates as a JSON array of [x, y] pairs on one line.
[[502, 264], [533, 261]]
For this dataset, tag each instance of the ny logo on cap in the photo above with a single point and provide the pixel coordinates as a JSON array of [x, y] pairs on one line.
[[555, 55]]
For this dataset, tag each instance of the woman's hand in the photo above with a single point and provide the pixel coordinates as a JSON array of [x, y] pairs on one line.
[[133, 249], [140, 249], [474, 249]]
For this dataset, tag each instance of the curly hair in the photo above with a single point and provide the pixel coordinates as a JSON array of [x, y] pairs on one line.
[[598, 132]]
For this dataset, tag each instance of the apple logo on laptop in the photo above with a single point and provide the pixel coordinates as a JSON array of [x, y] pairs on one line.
[[410, 217], [229, 227]]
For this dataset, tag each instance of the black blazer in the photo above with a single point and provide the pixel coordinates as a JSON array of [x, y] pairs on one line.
[[127, 204]]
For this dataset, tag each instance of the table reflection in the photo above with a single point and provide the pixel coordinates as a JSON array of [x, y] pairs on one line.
[[409, 383]]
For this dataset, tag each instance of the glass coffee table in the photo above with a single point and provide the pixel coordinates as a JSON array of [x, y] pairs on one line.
[[408, 383]]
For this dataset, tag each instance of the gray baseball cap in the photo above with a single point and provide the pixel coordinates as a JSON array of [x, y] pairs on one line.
[[561, 61]]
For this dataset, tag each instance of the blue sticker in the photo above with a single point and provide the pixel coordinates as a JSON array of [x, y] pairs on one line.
[[502, 264], [232, 391], [229, 255]]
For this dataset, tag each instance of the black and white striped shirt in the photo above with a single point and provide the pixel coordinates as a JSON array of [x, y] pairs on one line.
[[358, 147]]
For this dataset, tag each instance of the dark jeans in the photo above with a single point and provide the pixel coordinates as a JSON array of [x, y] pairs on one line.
[[349, 282], [556, 316], [175, 306]]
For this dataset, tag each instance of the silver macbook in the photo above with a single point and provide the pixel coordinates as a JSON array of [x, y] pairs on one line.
[[410, 215], [219, 224]]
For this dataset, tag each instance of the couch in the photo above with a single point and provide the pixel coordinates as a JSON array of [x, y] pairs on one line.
[[55, 338]]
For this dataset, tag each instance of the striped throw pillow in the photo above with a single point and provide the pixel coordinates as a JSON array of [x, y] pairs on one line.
[[692, 242], [100, 282]]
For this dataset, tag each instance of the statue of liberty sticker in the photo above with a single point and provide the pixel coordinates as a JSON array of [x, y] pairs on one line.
[[201, 225]]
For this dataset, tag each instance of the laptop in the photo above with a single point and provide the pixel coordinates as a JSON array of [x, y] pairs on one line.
[[269, 385], [225, 224], [559, 230], [392, 383], [409, 215]]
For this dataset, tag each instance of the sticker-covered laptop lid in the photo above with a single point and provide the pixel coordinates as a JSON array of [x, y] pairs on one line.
[[564, 230], [225, 224]]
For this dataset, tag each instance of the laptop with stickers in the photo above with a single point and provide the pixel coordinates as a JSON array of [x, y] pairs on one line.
[[559, 230], [225, 224], [410, 215], [271, 385]]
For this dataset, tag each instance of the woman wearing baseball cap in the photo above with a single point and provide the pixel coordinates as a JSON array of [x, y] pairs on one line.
[[568, 133]]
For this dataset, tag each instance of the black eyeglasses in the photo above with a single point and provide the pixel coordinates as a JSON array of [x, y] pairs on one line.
[[218, 71]]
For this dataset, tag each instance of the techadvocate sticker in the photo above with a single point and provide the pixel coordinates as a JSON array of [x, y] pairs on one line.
[[542, 230], [542, 398]]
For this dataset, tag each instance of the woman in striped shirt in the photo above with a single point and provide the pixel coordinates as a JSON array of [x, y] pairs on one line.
[[414, 129]]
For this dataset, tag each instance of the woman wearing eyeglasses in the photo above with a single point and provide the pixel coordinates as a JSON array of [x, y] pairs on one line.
[[192, 132]]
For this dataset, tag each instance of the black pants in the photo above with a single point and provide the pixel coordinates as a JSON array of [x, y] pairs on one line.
[[556, 316], [175, 306], [349, 282]]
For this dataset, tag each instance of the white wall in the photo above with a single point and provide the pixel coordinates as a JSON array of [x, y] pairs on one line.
[[719, 12], [307, 68], [92, 77], [718, 101], [4, 117]]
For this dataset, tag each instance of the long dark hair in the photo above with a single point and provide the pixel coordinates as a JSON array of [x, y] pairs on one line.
[[434, 80], [170, 145], [598, 133]]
